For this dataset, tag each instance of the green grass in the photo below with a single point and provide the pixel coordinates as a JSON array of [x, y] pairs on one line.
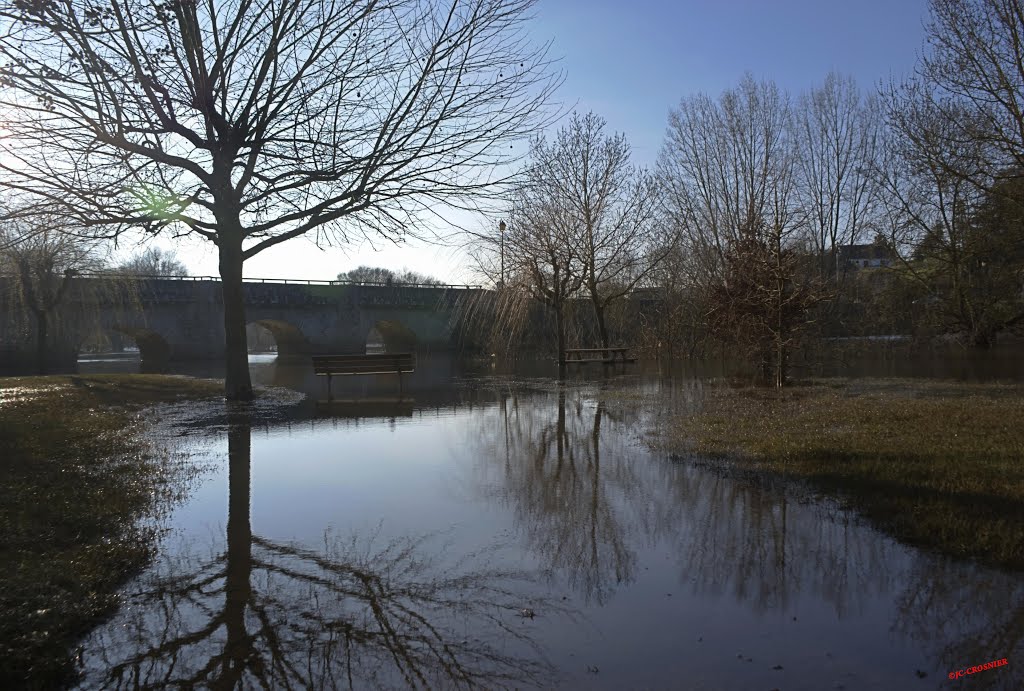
[[76, 477], [939, 465]]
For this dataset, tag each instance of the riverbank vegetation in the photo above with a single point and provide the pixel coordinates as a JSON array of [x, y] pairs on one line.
[[76, 480], [936, 464]]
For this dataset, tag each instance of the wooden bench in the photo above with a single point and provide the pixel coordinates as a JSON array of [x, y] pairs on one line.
[[363, 363], [608, 356]]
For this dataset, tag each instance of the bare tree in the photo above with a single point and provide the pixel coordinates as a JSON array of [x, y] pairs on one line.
[[154, 261], [954, 167], [763, 301], [541, 246], [839, 135], [971, 76], [38, 264], [959, 243], [611, 207], [724, 165], [583, 219], [731, 172], [253, 123]]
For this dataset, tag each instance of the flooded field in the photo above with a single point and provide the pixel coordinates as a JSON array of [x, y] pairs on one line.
[[491, 530]]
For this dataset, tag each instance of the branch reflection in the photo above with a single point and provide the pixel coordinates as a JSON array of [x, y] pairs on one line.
[[576, 508], [348, 615], [591, 504]]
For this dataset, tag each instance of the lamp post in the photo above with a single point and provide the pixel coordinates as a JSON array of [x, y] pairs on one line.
[[501, 227]]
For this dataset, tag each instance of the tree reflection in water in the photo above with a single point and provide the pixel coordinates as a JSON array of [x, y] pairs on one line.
[[273, 615], [576, 510], [587, 503], [979, 616]]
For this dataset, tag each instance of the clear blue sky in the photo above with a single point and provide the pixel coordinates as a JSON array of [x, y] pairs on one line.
[[632, 60]]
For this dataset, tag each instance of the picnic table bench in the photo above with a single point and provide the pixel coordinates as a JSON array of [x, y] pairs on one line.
[[607, 356], [364, 363]]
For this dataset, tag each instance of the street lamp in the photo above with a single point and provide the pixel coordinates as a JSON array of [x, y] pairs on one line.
[[501, 227]]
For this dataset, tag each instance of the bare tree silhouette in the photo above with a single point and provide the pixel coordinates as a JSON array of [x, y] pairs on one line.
[[349, 615], [249, 124]]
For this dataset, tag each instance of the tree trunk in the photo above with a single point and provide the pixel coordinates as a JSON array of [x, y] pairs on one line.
[[602, 330], [237, 385], [42, 336], [237, 586], [780, 363], [983, 337], [560, 328]]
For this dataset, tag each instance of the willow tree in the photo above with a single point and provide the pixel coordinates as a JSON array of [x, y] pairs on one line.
[[38, 266], [253, 122]]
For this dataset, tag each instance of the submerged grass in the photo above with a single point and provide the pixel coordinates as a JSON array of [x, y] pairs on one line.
[[939, 465], [76, 477]]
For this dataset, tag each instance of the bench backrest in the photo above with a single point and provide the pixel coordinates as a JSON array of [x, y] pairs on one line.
[[360, 363]]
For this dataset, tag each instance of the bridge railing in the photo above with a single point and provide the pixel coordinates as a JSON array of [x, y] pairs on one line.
[[285, 281]]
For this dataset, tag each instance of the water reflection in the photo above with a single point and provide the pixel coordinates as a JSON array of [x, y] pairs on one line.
[[572, 509], [857, 608], [348, 614], [969, 618], [685, 575]]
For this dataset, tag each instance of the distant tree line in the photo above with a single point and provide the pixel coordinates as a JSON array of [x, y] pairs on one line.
[[749, 232], [377, 274], [153, 261]]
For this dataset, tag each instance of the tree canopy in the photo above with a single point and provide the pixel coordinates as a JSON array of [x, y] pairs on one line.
[[154, 261], [250, 123], [378, 274]]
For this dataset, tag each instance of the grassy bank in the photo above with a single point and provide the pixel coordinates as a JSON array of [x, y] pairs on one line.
[[75, 478], [940, 465]]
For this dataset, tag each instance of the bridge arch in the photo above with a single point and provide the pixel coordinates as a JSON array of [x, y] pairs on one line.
[[390, 336], [153, 348], [291, 342]]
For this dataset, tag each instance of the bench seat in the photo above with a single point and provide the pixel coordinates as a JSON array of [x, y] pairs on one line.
[[363, 363]]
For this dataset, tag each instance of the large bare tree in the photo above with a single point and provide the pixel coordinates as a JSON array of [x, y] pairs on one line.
[[253, 122], [954, 168], [960, 243], [731, 171], [971, 76], [728, 166]]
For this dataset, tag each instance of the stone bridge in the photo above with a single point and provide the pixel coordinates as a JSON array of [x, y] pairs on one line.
[[182, 318]]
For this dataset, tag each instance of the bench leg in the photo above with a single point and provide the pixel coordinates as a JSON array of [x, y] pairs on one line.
[[328, 387], [399, 383]]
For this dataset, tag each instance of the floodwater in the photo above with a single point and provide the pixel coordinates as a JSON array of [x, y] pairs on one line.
[[489, 530]]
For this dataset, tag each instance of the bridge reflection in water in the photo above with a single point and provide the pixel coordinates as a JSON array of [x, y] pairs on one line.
[[513, 532]]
